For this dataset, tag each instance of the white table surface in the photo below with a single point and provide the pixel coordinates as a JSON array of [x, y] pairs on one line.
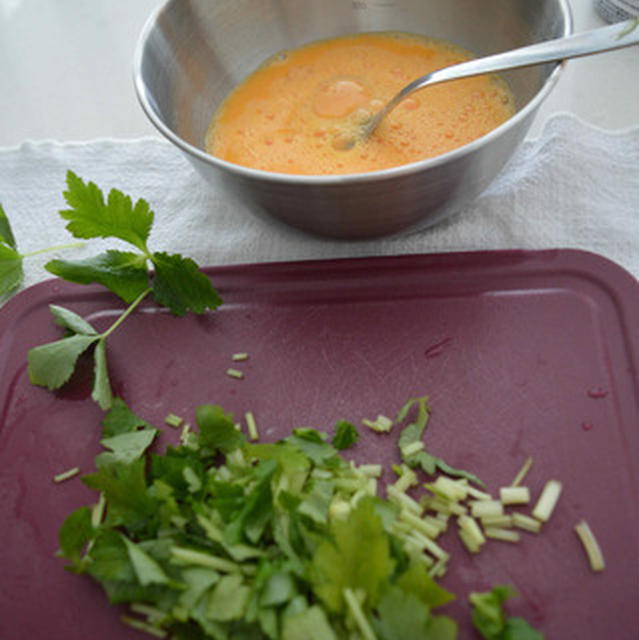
[[66, 73]]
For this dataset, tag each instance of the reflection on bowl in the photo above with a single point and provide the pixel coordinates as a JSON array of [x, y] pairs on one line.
[[191, 54]]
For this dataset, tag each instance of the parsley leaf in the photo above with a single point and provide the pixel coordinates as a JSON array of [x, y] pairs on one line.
[[346, 435], [6, 234], [110, 563], [120, 419], [279, 588], [518, 629], [416, 580], [309, 624], [67, 319], [317, 503], [413, 432], [170, 469], [404, 616], [313, 444], [294, 463], [74, 535], [127, 446], [176, 281], [217, 430], [197, 581], [90, 216], [489, 617], [179, 285], [147, 570], [125, 273], [51, 365], [357, 557], [124, 434], [228, 599], [124, 486], [11, 270], [11, 260], [401, 615], [257, 507]]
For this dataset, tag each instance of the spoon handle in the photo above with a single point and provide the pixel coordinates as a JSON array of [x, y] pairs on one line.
[[616, 36]]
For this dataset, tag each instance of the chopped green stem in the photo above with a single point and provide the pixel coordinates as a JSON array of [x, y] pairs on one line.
[[183, 555], [140, 625], [58, 247], [65, 475], [126, 314], [358, 615]]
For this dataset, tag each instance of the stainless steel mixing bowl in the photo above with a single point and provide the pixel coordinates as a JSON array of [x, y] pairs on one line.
[[192, 53]]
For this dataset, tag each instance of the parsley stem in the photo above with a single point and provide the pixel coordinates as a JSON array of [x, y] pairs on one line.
[[126, 313], [58, 247], [359, 616]]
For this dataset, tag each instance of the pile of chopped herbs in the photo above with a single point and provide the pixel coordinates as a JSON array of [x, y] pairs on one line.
[[219, 537], [224, 538]]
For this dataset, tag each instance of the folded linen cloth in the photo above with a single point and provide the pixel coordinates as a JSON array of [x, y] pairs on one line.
[[575, 186]]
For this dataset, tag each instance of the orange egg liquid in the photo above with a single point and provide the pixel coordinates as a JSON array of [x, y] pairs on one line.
[[297, 113]]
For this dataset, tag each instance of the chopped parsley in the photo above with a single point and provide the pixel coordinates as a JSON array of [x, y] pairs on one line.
[[346, 435], [224, 537], [490, 619], [411, 446], [220, 537]]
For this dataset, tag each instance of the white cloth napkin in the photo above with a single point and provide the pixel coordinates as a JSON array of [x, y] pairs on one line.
[[575, 186]]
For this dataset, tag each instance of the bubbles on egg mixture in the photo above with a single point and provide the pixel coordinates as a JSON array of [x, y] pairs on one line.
[[298, 114], [340, 97]]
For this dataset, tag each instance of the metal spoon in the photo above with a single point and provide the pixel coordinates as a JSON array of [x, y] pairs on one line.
[[616, 36]]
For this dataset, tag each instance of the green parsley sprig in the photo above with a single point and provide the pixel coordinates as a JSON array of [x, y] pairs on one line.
[[173, 280]]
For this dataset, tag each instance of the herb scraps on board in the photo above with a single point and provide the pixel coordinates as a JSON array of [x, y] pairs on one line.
[[225, 537]]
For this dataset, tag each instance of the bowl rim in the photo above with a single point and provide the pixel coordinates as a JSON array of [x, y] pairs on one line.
[[252, 174]]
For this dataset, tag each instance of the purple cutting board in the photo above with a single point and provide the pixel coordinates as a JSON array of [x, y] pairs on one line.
[[521, 353]]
